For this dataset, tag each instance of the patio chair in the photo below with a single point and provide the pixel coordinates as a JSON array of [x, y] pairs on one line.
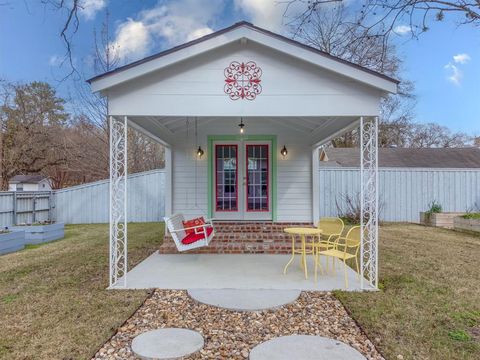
[[345, 248], [188, 237], [332, 228]]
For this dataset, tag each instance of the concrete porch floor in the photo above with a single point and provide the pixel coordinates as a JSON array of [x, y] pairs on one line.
[[227, 271]]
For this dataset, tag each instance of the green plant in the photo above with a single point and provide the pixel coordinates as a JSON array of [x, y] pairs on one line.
[[459, 335], [434, 208], [475, 215]]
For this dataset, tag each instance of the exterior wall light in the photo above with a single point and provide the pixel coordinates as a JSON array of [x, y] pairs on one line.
[[241, 126], [284, 151], [200, 152]]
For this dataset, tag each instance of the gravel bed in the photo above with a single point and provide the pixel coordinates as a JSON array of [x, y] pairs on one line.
[[231, 335]]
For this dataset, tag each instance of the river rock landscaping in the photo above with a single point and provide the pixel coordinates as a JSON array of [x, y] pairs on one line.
[[230, 334]]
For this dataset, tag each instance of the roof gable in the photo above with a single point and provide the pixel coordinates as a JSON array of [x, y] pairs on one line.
[[243, 32]]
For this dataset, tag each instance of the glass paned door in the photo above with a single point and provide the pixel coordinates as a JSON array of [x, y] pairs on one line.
[[242, 180], [226, 177], [257, 186]]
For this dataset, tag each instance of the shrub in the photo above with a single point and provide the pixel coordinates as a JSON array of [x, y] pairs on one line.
[[434, 208]]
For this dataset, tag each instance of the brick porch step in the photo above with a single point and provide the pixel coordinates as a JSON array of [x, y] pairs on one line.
[[243, 237]]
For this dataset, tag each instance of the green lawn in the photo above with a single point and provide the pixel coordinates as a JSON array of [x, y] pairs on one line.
[[429, 303], [53, 303]]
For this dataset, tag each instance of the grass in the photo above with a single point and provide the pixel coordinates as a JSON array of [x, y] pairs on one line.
[[471, 216], [429, 303], [53, 302]]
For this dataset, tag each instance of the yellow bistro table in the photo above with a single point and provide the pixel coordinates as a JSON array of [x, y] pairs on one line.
[[302, 232]]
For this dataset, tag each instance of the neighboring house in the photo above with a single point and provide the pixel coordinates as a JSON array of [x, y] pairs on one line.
[[435, 158], [29, 183]]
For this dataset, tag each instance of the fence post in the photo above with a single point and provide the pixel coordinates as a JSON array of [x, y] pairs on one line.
[[14, 220], [50, 206], [34, 199]]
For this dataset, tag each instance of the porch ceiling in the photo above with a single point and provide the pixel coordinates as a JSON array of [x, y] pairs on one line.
[[316, 129]]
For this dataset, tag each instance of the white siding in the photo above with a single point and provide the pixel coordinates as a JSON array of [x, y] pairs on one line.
[[190, 175], [290, 87]]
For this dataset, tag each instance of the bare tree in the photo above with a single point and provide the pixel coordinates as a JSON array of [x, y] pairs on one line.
[[331, 30], [92, 114], [381, 18]]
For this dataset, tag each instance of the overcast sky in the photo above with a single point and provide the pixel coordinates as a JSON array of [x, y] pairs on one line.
[[444, 63]]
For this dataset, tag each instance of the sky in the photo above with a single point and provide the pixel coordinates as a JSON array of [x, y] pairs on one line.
[[443, 63]]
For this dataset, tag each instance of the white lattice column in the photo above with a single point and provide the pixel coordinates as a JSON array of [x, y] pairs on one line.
[[118, 202], [369, 200]]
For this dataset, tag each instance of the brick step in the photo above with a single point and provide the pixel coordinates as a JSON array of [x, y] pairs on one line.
[[243, 238]]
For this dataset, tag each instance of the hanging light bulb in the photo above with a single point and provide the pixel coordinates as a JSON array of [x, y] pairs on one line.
[[241, 126], [200, 152], [284, 151]]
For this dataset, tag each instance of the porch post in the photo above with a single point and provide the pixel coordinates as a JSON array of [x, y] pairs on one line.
[[369, 201], [315, 185], [168, 182], [118, 201]]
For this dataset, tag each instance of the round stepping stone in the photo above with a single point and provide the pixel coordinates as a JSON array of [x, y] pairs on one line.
[[244, 300], [305, 347], [168, 343]]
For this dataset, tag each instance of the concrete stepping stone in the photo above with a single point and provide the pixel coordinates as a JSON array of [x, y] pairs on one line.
[[244, 300], [168, 343], [304, 347]]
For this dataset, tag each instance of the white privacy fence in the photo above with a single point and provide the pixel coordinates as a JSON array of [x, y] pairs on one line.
[[403, 193], [89, 203]]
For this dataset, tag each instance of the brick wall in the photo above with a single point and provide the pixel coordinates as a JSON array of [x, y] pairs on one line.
[[243, 238]]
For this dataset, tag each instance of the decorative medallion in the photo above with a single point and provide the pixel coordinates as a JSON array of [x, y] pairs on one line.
[[242, 80]]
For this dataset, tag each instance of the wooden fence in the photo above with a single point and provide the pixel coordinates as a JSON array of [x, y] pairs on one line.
[[25, 207]]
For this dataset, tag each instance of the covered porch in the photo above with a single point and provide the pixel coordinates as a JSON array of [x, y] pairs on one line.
[[244, 272], [243, 114]]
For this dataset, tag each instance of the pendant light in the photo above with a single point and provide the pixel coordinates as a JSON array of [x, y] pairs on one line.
[[241, 126]]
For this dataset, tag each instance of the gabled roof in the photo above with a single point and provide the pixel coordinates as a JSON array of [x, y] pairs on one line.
[[453, 158], [232, 34], [27, 179]]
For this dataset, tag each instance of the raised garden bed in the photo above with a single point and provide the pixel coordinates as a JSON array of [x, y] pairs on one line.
[[11, 241], [441, 219], [467, 223], [42, 233]]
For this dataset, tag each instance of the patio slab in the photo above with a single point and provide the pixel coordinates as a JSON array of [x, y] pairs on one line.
[[169, 343], [244, 300], [305, 347], [222, 271]]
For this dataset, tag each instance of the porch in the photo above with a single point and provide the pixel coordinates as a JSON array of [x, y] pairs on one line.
[[242, 114], [245, 271]]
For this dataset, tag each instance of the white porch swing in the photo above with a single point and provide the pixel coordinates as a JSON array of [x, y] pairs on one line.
[[191, 237], [194, 233]]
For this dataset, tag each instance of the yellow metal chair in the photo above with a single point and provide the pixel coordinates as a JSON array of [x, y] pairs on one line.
[[343, 248], [332, 228]]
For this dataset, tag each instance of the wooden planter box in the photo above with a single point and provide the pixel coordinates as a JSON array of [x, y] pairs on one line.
[[38, 234], [467, 224], [443, 219], [12, 241]]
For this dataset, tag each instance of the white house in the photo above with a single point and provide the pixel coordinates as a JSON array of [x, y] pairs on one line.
[[29, 183], [242, 113]]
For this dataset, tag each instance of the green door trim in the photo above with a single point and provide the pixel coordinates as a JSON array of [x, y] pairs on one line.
[[271, 138]]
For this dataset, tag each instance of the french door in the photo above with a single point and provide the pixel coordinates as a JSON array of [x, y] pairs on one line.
[[242, 180]]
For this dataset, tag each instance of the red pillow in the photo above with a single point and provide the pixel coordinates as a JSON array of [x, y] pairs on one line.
[[193, 222]]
